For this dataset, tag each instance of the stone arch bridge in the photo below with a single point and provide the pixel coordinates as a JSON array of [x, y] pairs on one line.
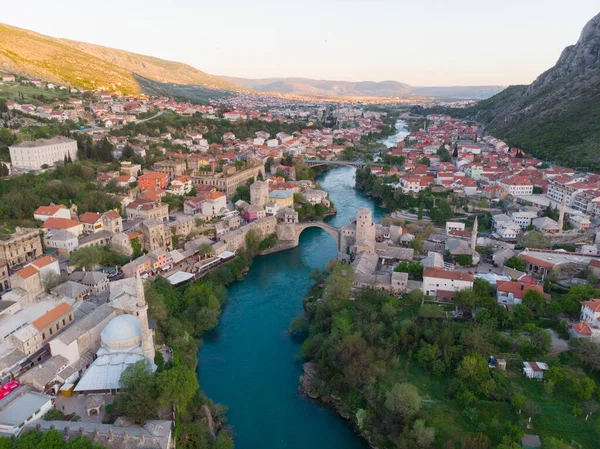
[[357, 164], [290, 232]]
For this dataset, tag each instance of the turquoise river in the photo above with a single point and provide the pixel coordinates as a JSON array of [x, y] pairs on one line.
[[250, 363]]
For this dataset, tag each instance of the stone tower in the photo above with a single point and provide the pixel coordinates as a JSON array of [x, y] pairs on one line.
[[474, 234], [259, 193], [365, 229], [561, 217], [142, 313]]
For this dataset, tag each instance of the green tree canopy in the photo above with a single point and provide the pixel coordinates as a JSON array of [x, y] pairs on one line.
[[137, 397]]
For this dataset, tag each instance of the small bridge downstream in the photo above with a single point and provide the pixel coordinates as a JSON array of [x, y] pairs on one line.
[[357, 164]]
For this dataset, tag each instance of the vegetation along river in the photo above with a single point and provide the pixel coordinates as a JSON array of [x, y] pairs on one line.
[[249, 362]]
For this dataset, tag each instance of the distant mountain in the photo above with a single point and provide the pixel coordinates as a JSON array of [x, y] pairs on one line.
[[88, 66], [326, 88], [558, 115]]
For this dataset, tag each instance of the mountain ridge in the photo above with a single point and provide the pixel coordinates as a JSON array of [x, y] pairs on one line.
[[388, 88], [88, 66], [557, 116]]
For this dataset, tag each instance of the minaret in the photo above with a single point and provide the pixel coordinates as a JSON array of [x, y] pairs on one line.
[[474, 234], [142, 313], [561, 217]]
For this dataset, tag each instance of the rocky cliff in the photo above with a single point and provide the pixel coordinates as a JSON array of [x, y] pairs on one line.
[[556, 117]]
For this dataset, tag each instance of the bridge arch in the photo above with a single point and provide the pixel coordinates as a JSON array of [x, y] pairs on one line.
[[339, 163], [336, 233]]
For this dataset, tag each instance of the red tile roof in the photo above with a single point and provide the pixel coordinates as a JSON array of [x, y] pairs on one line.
[[60, 223], [27, 272], [43, 261], [443, 274], [90, 217], [518, 289], [49, 210], [52, 315], [582, 328], [593, 304]]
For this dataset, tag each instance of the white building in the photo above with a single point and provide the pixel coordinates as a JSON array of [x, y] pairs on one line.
[[517, 186], [437, 282], [42, 213], [454, 226], [21, 407], [31, 155], [523, 218]]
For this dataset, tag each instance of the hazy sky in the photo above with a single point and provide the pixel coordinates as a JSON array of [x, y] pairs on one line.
[[423, 43]]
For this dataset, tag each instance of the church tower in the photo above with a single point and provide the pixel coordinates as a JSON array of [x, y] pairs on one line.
[[142, 313]]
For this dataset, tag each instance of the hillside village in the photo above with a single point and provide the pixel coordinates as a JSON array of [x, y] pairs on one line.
[[187, 202]]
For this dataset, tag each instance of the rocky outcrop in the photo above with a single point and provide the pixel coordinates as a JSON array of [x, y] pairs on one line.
[[209, 421], [309, 381]]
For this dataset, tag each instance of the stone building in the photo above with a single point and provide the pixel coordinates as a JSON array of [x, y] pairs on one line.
[[228, 182], [147, 209], [155, 235], [21, 247], [172, 168], [259, 193], [34, 336]]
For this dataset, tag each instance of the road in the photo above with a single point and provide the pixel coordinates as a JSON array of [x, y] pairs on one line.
[[97, 128]]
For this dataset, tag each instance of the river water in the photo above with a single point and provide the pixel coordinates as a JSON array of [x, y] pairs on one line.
[[250, 363], [401, 133]]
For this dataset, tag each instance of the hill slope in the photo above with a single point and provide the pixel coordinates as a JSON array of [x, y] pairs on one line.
[[88, 66], [329, 88], [558, 115]]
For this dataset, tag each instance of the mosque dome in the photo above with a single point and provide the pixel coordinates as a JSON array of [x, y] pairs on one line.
[[122, 332]]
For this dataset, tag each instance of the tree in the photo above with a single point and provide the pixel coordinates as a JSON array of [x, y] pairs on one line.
[[177, 386], [518, 402], [52, 439], [479, 441], [205, 250], [137, 397], [516, 264], [241, 193], [474, 371], [403, 399], [444, 154], [441, 213], [137, 248], [535, 239], [571, 302], [89, 257], [555, 443], [466, 299], [420, 213], [339, 283], [588, 352], [223, 441], [422, 435], [465, 260], [535, 301]]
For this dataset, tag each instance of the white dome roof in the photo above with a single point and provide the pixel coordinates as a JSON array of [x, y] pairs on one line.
[[121, 328]]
